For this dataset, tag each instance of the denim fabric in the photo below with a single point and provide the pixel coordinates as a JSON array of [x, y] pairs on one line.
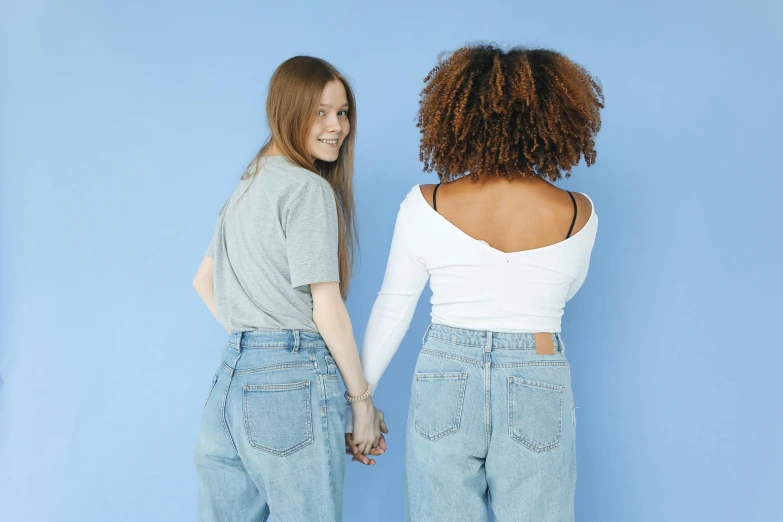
[[490, 418], [271, 435]]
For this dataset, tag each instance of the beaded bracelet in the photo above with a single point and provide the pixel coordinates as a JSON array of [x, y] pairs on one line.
[[361, 397]]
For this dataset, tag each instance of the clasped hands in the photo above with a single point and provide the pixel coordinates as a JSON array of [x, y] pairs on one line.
[[367, 437]]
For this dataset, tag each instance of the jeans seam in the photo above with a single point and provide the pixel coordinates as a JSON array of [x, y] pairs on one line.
[[322, 387], [223, 407], [211, 389], [327, 446], [275, 367], [537, 384], [424, 337], [530, 363], [446, 355], [488, 399], [451, 341]]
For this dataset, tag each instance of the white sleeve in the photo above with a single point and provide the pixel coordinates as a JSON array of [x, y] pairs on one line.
[[390, 318]]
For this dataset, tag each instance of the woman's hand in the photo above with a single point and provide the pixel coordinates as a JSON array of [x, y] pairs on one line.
[[367, 438], [366, 427]]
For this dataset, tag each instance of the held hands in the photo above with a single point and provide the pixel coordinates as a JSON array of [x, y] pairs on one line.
[[367, 437]]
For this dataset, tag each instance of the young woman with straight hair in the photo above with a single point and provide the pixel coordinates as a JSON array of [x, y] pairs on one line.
[[275, 276], [491, 412]]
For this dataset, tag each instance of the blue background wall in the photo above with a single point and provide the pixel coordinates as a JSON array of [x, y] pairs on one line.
[[125, 125]]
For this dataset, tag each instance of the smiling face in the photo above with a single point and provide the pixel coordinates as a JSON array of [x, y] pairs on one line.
[[331, 125]]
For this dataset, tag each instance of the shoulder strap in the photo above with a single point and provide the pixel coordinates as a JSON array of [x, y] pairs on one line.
[[434, 197], [573, 221]]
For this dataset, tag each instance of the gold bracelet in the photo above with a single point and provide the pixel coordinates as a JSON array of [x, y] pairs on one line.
[[361, 397]]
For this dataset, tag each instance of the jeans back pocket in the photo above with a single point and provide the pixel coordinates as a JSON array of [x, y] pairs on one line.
[[439, 398], [278, 417], [535, 413]]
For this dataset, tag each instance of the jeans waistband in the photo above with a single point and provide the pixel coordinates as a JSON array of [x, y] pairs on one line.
[[487, 339], [290, 339]]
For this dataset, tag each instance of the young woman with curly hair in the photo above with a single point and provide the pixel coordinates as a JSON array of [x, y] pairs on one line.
[[491, 412]]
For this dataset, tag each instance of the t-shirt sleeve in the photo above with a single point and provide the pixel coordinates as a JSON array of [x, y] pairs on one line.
[[213, 243], [311, 232]]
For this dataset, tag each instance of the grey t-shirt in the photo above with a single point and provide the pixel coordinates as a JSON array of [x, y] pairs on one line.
[[275, 235]]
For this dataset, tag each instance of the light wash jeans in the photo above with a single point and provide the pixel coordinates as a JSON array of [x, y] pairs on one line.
[[271, 435], [490, 418]]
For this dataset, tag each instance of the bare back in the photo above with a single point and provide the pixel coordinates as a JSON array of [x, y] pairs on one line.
[[510, 216]]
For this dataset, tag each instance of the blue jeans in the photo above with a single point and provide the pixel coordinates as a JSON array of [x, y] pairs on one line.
[[489, 417], [271, 435]]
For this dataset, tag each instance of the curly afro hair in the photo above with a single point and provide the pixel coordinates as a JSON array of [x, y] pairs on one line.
[[524, 112]]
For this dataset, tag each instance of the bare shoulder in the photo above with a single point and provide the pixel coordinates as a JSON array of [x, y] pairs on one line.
[[584, 209], [427, 191]]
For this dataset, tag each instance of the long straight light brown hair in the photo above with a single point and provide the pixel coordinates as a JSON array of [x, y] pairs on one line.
[[291, 108]]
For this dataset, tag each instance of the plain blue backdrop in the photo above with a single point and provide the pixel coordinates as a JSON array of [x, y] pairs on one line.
[[125, 125]]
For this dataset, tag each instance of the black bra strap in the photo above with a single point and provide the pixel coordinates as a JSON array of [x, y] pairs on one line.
[[573, 222], [434, 197]]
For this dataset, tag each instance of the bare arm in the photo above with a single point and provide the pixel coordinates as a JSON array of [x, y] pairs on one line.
[[204, 283], [331, 318]]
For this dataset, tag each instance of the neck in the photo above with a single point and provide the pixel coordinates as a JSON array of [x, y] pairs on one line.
[[273, 150]]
